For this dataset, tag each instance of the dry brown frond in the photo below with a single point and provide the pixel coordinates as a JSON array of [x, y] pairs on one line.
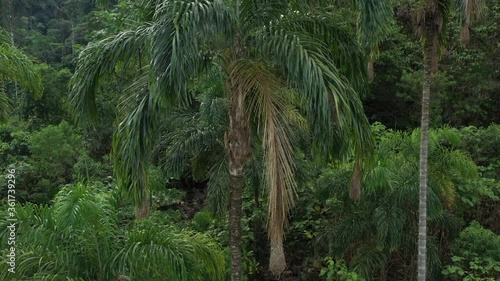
[[277, 263], [472, 10], [371, 74], [279, 171], [418, 19], [268, 100]]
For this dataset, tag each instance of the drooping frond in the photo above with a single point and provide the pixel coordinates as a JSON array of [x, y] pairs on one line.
[[261, 12], [313, 67], [177, 55], [390, 221], [218, 186], [78, 239], [183, 138], [5, 106], [269, 102], [280, 167], [98, 61], [192, 136], [341, 44], [468, 10], [196, 137], [369, 258], [134, 138], [375, 20], [306, 70], [72, 204], [327, 67], [16, 66], [157, 252]]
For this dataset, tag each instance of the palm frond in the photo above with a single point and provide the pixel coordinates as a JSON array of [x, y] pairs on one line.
[[368, 259], [72, 238], [16, 66], [390, 221], [191, 138], [99, 60], [218, 186], [261, 12], [5, 103], [72, 204], [176, 56], [154, 252], [268, 101], [343, 48], [134, 138], [375, 21], [468, 10], [309, 62], [78, 239]]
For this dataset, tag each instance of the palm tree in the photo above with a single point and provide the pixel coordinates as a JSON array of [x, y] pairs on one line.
[[15, 66], [431, 17], [81, 236], [381, 233], [192, 140], [262, 47]]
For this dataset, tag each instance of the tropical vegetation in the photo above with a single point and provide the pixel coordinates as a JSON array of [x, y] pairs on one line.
[[249, 140]]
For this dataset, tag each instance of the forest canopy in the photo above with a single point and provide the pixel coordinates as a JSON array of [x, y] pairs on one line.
[[249, 140]]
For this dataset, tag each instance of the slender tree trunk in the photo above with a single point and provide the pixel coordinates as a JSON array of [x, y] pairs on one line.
[[239, 148], [13, 45], [142, 211], [11, 22], [424, 148]]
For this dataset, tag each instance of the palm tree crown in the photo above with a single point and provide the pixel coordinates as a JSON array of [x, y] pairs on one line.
[[262, 48]]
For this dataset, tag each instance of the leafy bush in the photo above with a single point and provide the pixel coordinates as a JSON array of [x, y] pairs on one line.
[[202, 221], [56, 149], [337, 271], [480, 198], [43, 159], [476, 255], [483, 144]]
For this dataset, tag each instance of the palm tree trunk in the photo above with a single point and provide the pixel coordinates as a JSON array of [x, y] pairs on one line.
[[235, 215], [424, 148], [239, 148], [142, 210]]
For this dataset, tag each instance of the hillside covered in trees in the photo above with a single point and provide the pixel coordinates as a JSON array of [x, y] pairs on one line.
[[148, 140]]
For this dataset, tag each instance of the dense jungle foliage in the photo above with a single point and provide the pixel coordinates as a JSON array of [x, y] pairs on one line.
[[80, 217]]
